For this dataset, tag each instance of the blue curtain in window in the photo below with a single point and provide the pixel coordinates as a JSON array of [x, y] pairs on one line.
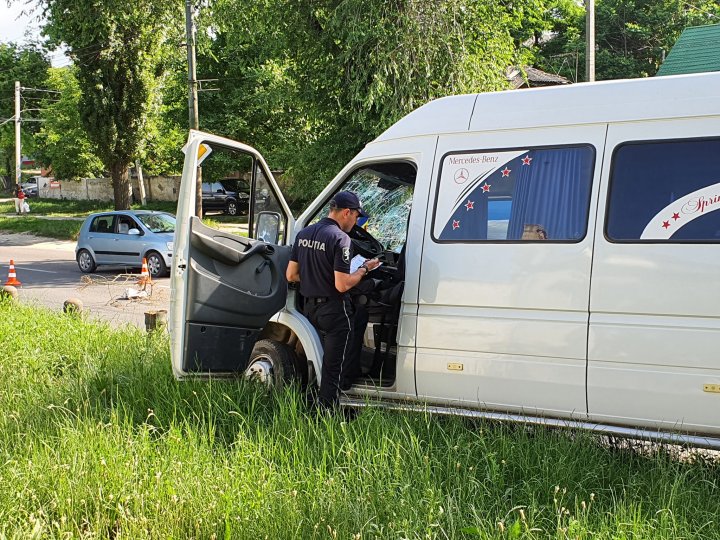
[[470, 219], [553, 192]]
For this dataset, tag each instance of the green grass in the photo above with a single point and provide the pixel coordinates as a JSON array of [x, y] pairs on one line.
[[69, 229], [60, 229], [71, 208], [98, 440]]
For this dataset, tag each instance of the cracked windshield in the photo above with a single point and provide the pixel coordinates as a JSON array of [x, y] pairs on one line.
[[386, 192]]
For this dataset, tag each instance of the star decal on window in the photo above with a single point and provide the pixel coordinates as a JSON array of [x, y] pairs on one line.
[[470, 205], [456, 224], [526, 160], [486, 188], [506, 172]]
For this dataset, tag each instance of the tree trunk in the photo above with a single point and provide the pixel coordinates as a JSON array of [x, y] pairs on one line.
[[6, 180], [121, 185]]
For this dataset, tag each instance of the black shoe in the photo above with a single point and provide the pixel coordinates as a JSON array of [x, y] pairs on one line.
[[345, 385]]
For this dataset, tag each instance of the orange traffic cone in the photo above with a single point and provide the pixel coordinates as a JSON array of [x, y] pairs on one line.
[[12, 277], [145, 278]]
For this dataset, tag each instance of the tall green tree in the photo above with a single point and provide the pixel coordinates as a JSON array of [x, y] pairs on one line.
[[327, 76], [117, 48], [631, 35], [62, 142], [29, 65]]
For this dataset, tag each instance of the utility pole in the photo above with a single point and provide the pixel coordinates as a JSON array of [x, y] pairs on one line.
[[590, 40], [18, 149], [192, 74], [192, 94]]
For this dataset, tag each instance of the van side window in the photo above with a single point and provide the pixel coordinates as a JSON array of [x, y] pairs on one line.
[[519, 195], [665, 191]]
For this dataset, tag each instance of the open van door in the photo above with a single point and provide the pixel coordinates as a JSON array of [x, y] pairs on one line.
[[226, 282]]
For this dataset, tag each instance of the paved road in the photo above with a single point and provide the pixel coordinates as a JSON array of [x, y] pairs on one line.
[[50, 275]]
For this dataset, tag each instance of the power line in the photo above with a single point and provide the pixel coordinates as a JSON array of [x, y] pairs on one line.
[[23, 88], [697, 8]]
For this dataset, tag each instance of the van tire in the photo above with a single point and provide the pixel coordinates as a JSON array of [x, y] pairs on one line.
[[273, 364]]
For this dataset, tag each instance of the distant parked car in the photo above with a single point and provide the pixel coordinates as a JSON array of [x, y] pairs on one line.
[[31, 186], [125, 238], [215, 196], [31, 191]]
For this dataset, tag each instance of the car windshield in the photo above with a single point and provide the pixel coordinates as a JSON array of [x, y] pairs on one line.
[[158, 223]]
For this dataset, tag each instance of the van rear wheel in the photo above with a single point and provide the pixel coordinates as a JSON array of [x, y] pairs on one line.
[[272, 364]]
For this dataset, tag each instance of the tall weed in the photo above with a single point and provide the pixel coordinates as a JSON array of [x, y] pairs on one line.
[[98, 440]]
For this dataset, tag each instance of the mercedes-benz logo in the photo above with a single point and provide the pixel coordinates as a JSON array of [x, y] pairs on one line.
[[461, 176]]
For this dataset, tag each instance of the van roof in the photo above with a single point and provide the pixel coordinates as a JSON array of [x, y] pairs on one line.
[[584, 103]]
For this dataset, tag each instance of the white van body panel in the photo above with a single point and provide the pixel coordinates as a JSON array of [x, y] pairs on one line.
[[655, 318], [513, 314], [445, 115], [421, 152], [678, 96], [296, 322]]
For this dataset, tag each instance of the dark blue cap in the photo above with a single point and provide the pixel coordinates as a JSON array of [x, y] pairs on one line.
[[347, 199]]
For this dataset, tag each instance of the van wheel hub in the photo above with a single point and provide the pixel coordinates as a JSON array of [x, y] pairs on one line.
[[261, 370]]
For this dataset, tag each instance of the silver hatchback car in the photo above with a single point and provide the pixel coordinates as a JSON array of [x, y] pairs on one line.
[[125, 238]]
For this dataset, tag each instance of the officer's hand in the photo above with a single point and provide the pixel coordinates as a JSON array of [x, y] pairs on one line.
[[372, 264]]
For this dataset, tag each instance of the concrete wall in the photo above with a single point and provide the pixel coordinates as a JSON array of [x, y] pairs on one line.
[[157, 188]]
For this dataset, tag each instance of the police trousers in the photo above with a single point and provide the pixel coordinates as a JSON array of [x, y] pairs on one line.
[[341, 330]]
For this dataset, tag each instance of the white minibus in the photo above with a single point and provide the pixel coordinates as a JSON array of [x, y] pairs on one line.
[[550, 255]]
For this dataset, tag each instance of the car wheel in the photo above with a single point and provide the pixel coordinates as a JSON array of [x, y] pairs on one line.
[[156, 264], [232, 208], [273, 364], [85, 261]]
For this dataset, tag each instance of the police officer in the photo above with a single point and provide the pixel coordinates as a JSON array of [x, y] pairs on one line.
[[320, 261]]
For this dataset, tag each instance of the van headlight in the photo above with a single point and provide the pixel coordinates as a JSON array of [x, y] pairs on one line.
[[169, 245]]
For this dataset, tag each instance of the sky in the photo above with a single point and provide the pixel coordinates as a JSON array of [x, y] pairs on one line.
[[16, 27]]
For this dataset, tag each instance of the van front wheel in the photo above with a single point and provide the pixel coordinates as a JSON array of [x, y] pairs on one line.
[[272, 364]]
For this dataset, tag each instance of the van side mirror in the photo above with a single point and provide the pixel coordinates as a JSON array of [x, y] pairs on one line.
[[134, 232], [268, 227]]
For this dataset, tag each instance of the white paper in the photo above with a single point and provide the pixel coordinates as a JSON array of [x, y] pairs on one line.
[[356, 263]]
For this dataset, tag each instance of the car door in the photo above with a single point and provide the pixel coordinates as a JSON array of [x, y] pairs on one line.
[[219, 199], [225, 287], [100, 238], [127, 248]]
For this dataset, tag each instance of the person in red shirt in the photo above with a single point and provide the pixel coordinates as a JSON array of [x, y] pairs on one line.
[[19, 199]]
